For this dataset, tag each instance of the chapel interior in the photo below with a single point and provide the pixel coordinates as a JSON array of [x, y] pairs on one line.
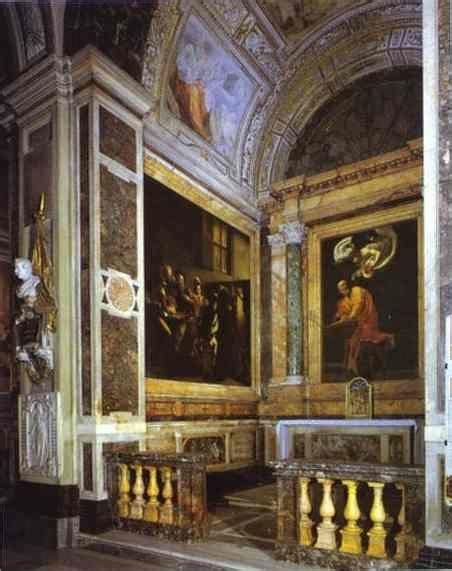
[[226, 282]]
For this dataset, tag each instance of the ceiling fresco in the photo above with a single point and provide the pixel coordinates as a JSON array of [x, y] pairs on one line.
[[208, 88], [294, 17]]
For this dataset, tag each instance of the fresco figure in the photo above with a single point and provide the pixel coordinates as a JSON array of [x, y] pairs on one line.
[[210, 91], [356, 306]]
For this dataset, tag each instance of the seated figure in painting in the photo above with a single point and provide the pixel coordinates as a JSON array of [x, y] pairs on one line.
[[33, 328], [366, 347]]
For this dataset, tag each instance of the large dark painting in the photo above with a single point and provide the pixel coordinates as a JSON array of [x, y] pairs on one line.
[[370, 304], [197, 293]]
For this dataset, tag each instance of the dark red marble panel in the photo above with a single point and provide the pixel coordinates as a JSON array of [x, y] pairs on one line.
[[119, 364], [118, 202], [88, 477], [84, 259], [117, 140]]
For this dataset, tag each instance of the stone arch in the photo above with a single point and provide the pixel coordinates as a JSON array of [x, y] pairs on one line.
[[330, 59], [377, 114]]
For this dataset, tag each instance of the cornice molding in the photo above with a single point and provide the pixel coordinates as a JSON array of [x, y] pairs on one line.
[[89, 65], [389, 163], [43, 82]]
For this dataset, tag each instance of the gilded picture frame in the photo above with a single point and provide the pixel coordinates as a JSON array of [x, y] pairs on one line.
[[177, 389]]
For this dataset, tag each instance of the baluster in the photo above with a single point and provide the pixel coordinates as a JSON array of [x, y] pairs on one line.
[[326, 538], [167, 509], [401, 537], [305, 509], [351, 534], [377, 533], [136, 507], [124, 489], [151, 511]]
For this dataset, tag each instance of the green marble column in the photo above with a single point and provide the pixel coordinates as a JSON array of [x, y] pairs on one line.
[[294, 233]]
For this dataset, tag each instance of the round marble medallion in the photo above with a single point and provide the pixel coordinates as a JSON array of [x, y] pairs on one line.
[[121, 294]]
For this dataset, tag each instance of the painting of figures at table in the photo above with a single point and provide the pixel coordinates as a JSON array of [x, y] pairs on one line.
[[370, 304], [209, 91], [5, 326], [197, 293]]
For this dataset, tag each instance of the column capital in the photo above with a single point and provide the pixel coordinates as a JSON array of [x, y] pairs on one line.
[[293, 232], [276, 240]]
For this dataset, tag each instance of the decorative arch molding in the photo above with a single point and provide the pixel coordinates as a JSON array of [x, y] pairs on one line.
[[349, 46], [29, 34]]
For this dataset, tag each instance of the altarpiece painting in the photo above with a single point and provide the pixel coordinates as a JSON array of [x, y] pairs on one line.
[[370, 303]]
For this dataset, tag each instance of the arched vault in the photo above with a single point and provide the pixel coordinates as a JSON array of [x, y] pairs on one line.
[[359, 42]]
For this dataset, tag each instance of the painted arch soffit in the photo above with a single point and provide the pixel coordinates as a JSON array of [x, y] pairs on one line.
[[376, 37]]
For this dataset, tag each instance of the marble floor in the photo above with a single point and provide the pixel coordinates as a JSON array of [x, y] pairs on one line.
[[19, 558], [264, 496], [241, 539]]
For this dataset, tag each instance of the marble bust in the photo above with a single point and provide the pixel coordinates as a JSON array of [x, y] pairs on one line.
[[27, 290], [34, 346]]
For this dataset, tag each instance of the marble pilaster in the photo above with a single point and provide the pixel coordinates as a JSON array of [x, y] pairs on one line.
[[438, 272], [278, 307]]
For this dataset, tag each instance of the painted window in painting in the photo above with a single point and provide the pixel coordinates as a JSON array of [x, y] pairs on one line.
[[197, 293], [216, 244], [370, 304]]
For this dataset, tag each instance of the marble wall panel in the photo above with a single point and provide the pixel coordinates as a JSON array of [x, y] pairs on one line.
[[119, 364], [85, 274], [445, 187], [243, 446], [212, 446], [115, 447], [161, 443], [118, 223], [88, 477], [299, 446], [38, 172], [266, 318], [355, 448], [117, 139], [185, 410], [279, 312]]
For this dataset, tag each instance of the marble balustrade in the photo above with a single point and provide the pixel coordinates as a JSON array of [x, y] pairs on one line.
[[349, 515], [159, 494]]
